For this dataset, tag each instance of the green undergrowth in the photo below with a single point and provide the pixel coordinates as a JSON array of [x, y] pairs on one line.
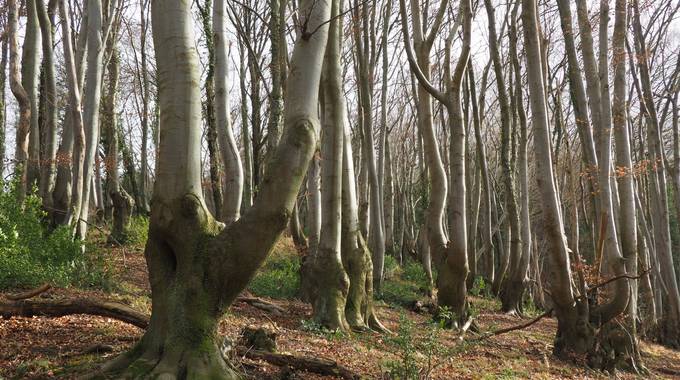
[[279, 276], [403, 285], [30, 254], [138, 231]]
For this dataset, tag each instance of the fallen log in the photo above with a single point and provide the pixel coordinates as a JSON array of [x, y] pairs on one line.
[[60, 308], [262, 305], [319, 366]]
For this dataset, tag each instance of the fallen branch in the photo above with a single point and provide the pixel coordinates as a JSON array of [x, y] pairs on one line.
[[513, 328], [316, 365], [262, 305], [60, 308], [29, 293]]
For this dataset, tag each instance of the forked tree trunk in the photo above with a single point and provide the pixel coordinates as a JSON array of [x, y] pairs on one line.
[[95, 51], [197, 267], [574, 333]]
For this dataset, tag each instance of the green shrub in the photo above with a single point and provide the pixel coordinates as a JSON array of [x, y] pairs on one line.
[[479, 287], [391, 267], [29, 255], [138, 232], [414, 272], [279, 277], [399, 292]]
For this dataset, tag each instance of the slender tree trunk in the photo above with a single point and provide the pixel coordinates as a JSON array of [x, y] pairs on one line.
[[4, 51], [211, 135], [233, 170], [121, 200], [511, 295], [574, 334], [22, 97], [69, 160], [670, 319], [143, 198], [487, 265], [49, 116], [247, 144], [30, 73], [95, 50]]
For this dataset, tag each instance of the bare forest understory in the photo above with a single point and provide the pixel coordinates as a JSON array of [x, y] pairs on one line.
[[72, 346]]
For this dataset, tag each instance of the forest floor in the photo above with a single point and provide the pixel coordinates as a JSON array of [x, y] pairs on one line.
[[66, 347]]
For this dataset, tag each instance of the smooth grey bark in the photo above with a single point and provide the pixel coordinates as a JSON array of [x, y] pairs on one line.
[[433, 226], [22, 97], [68, 189], [67, 158], [233, 170], [30, 73], [624, 166], [247, 200], [143, 196], [49, 108], [198, 266], [209, 111], [574, 334], [450, 255], [486, 263], [511, 295], [95, 50], [122, 202], [670, 318], [330, 279], [376, 235], [4, 52]]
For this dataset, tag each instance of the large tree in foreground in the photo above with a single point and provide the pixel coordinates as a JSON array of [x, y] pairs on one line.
[[197, 267]]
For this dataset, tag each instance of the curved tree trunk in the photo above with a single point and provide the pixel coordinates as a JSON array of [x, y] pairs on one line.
[[197, 267], [233, 170]]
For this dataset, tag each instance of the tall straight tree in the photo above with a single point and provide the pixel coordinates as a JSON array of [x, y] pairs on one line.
[[670, 320], [30, 74], [198, 266], [23, 124], [49, 107]]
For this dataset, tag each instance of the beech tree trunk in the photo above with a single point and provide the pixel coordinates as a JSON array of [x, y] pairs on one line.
[[22, 97], [197, 266], [30, 79], [49, 113], [233, 170]]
